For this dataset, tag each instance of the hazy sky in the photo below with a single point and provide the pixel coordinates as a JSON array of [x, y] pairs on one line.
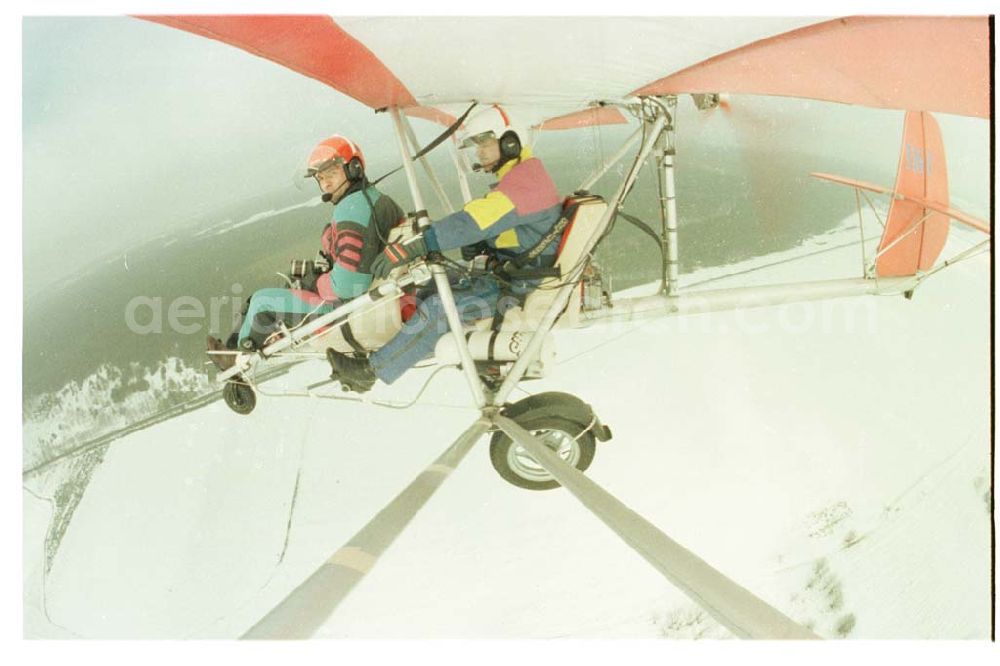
[[130, 127]]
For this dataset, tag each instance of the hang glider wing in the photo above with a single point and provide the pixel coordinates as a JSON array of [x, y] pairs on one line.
[[919, 63], [904, 62], [559, 62], [603, 115], [311, 45], [431, 114], [314, 46]]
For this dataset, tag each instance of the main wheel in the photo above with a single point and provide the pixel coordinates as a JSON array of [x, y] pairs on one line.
[[516, 465], [240, 397]]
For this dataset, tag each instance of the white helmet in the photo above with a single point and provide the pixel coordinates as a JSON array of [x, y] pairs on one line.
[[491, 123]]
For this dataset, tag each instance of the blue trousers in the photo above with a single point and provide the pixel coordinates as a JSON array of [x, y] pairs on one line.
[[475, 298]]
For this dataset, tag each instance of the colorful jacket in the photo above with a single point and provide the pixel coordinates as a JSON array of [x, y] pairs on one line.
[[522, 207], [352, 241]]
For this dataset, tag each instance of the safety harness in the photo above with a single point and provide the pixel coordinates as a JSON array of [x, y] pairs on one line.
[[519, 267]]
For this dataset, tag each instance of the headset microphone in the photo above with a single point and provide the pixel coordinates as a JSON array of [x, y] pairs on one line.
[[327, 197]]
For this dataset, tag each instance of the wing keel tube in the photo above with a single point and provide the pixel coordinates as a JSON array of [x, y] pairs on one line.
[[740, 298]]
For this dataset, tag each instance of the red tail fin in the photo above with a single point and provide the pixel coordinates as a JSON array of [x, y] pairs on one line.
[[922, 174]]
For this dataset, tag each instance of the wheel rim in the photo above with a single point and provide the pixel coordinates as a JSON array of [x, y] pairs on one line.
[[562, 444]]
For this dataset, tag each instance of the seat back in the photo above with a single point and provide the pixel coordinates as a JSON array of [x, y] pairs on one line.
[[583, 227]]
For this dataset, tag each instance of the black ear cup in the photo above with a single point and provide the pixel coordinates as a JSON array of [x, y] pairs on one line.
[[510, 145], [354, 170]]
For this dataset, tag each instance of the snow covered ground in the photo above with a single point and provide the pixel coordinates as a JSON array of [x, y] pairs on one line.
[[832, 457]]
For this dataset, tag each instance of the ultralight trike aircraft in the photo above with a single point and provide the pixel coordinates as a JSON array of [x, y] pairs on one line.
[[548, 439]]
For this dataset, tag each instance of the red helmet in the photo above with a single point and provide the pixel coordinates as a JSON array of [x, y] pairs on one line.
[[335, 150]]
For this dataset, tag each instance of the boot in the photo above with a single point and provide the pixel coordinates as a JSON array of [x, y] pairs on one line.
[[224, 360], [355, 374]]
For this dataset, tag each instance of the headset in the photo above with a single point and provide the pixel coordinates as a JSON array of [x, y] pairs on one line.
[[354, 170], [510, 146]]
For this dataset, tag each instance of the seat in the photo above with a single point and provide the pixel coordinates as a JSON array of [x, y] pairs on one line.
[[369, 329], [581, 229], [506, 344]]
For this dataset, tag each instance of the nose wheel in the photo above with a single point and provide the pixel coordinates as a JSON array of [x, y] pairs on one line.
[[240, 397]]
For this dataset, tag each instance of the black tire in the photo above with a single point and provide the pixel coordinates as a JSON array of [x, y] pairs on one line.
[[240, 397], [518, 468]]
